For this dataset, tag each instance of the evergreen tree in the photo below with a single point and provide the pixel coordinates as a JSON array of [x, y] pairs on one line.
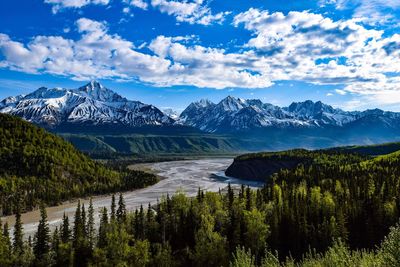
[[65, 231], [55, 240], [18, 244], [83, 220], [121, 211], [6, 235], [41, 246], [103, 227], [113, 206], [90, 225]]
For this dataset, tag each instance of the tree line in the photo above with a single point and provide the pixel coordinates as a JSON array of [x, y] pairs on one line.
[[177, 231]]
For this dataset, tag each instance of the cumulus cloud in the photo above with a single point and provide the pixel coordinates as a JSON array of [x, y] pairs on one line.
[[370, 11], [312, 48], [99, 54], [137, 3], [300, 46], [62, 4], [208, 67], [190, 11]]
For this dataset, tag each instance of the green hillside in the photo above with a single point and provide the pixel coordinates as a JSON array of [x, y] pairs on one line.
[[155, 144], [372, 150], [325, 194], [38, 166]]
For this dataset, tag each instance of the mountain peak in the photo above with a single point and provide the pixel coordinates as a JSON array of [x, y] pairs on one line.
[[92, 86], [203, 103], [97, 91], [232, 104]]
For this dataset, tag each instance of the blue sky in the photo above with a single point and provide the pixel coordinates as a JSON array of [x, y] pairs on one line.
[[169, 53]]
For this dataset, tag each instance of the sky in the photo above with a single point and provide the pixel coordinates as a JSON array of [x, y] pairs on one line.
[[169, 53]]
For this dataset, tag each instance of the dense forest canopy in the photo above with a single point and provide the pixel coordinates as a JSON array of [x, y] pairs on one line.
[[212, 229], [38, 166]]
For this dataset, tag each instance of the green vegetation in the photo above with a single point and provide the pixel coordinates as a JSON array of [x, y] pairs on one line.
[[372, 150], [212, 229], [149, 145], [36, 166], [328, 195]]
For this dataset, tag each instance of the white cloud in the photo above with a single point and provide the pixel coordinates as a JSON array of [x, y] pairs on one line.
[[99, 54], [189, 11], [62, 4], [310, 47], [370, 11], [193, 12], [137, 3], [340, 92]]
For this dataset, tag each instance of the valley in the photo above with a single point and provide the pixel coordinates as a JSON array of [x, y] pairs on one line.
[[177, 176]]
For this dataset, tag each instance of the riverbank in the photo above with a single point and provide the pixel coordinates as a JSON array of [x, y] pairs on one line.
[[186, 175]]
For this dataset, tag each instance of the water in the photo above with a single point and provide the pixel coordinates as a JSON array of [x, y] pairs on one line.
[[187, 176]]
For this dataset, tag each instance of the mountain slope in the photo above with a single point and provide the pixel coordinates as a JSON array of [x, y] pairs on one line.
[[38, 166], [235, 114], [92, 104]]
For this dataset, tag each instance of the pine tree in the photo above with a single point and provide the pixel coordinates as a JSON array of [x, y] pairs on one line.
[[121, 211], [141, 230], [91, 231], [102, 242], [41, 246], [83, 220], [65, 231], [55, 240], [78, 234], [18, 244], [113, 207], [6, 235]]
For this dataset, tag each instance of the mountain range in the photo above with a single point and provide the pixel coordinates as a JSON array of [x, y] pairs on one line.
[[235, 114], [307, 124], [92, 104]]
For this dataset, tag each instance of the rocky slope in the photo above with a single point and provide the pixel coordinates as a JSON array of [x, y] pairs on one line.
[[92, 104]]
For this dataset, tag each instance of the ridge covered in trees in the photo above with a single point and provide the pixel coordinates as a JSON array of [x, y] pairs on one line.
[[36, 166]]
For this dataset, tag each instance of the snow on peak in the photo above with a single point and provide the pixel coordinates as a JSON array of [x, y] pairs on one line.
[[97, 91], [92, 103]]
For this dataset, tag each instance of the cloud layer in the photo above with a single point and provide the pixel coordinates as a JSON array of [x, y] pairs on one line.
[[301, 46]]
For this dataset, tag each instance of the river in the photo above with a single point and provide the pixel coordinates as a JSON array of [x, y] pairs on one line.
[[187, 176]]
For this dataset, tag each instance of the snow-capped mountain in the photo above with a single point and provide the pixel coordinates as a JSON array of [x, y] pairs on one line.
[[92, 104], [235, 114], [171, 113]]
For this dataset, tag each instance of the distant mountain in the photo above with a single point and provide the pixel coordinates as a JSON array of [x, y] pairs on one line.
[[92, 104], [171, 113], [235, 114]]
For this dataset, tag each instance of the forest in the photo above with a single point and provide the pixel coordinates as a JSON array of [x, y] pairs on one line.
[[39, 167], [334, 209], [178, 231]]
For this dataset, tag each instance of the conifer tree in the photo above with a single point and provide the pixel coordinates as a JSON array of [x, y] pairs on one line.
[[83, 219], [41, 246], [65, 231], [6, 235], [78, 234], [55, 240], [91, 231], [103, 227], [113, 206], [121, 211], [18, 244]]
